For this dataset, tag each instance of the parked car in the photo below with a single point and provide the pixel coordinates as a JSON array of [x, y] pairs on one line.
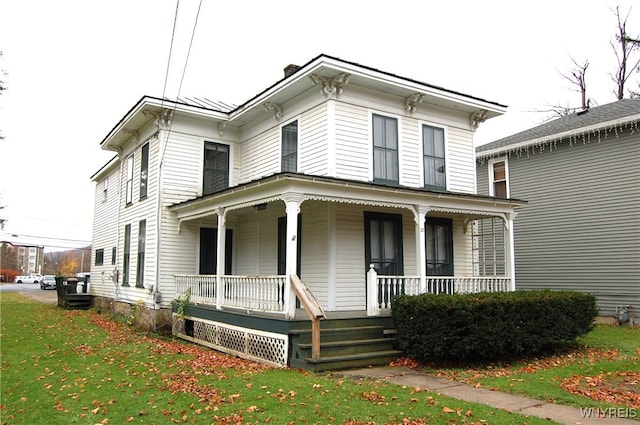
[[48, 281], [30, 278]]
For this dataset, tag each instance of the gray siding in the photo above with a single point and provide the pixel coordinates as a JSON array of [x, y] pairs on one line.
[[580, 229]]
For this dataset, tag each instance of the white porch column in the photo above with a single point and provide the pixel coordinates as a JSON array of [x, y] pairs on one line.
[[220, 258], [509, 250], [420, 217], [292, 206]]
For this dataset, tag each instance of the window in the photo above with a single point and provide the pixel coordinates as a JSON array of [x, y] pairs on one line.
[[99, 257], [289, 160], [433, 157], [216, 168], [113, 255], [142, 236], [439, 241], [144, 170], [385, 149], [105, 188], [129, 190], [127, 247], [383, 243], [499, 178]]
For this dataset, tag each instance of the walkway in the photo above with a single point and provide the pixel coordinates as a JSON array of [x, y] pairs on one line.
[[510, 402]]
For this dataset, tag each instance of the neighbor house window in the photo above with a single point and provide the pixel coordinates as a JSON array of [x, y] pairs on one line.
[[216, 167], [105, 189], [99, 257], [499, 178], [127, 248], [144, 170], [385, 149], [129, 190], [289, 161], [113, 255], [433, 157], [142, 235]]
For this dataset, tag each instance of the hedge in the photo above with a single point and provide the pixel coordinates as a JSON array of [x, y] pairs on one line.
[[490, 325]]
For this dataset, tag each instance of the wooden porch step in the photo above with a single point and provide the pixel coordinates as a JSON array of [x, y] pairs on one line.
[[364, 359], [341, 333], [351, 346]]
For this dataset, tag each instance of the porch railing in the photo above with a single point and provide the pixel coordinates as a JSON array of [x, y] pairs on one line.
[[382, 289], [255, 293]]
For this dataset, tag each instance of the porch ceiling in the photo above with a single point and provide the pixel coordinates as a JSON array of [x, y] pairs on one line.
[[306, 187]]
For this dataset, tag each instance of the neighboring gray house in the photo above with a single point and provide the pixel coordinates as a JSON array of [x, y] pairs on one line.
[[581, 176]]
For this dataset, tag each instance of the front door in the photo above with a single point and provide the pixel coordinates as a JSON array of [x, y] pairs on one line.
[[439, 241], [209, 250], [383, 243]]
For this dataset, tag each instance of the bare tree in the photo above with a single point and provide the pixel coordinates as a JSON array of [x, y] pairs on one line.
[[624, 49], [577, 78]]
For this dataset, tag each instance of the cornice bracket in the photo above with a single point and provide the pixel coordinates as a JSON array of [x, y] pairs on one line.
[[221, 127], [162, 119], [477, 118], [132, 133], [331, 88], [411, 102], [275, 108]]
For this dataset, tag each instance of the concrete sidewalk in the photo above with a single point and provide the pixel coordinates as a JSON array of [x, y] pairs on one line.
[[510, 402]]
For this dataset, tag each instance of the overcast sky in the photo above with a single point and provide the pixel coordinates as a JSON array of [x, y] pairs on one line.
[[75, 67]]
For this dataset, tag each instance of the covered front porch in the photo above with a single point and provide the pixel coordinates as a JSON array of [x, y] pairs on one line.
[[299, 250]]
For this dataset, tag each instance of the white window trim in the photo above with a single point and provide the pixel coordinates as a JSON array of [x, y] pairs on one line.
[[401, 164], [105, 189], [297, 118], [492, 161], [203, 140], [128, 191], [446, 151]]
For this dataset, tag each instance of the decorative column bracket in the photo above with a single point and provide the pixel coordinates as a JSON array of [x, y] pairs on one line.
[[277, 109], [412, 101], [331, 88]]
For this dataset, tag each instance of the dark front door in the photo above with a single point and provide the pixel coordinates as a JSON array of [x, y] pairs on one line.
[[439, 241], [209, 250], [383, 243]]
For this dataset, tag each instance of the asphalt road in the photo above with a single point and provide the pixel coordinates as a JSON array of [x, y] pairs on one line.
[[33, 291]]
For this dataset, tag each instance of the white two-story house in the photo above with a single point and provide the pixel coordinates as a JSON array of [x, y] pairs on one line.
[[288, 221]]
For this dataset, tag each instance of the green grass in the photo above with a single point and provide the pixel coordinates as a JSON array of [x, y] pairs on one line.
[[606, 352], [81, 367]]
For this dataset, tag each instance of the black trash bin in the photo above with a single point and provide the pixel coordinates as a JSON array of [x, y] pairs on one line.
[[72, 285]]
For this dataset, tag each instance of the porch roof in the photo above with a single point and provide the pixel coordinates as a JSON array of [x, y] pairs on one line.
[[311, 187]]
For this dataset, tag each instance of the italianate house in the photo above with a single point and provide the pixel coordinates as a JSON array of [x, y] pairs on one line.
[[280, 230]]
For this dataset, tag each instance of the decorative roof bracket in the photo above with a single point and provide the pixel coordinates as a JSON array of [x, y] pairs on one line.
[[477, 118], [412, 101], [132, 133], [331, 87], [221, 127], [277, 109]]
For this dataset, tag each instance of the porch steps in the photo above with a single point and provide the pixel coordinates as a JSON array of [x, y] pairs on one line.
[[343, 347]]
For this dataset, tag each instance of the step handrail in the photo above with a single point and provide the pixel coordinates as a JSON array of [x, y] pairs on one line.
[[314, 311]]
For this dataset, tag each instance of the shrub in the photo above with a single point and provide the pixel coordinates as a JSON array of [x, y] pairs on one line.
[[490, 325]]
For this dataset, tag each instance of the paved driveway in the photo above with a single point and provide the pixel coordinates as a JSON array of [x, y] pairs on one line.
[[33, 291]]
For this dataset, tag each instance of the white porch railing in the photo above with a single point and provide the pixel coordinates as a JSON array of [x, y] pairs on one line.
[[256, 293], [382, 289]]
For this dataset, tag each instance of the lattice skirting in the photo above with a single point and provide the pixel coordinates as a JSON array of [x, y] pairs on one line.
[[264, 347]]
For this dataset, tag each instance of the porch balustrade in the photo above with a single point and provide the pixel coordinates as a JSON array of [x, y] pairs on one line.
[[256, 293]]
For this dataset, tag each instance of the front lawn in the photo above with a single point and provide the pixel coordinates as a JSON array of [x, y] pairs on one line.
[[82, 367]]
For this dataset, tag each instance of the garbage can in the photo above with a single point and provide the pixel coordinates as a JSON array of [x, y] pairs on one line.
[[72, 285]]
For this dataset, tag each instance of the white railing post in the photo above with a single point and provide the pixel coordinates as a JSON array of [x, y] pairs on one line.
[[220, 261], [372, 292]]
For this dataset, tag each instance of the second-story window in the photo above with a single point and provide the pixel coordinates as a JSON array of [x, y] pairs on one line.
[[385, 149], [289, 160], [216, 167], [129, 189], [142, 237], [499, 178], [144, 170], [433, 158]]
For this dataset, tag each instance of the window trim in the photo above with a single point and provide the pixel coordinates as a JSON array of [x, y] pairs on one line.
[[445, 135], [99, 260], [398, 148], [129, 181], [205, 142], [491, 180], [297, 152], [144, 171]]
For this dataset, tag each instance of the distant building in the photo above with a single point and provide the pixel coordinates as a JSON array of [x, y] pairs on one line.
[[20, 258]]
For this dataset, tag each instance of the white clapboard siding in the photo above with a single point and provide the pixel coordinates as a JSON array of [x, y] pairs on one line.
[[313, 141], [260, 155], [315, 249], [460, 156], [411, 153], [352, 142]]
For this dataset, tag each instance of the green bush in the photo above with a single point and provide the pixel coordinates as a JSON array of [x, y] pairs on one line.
[[490, 325]]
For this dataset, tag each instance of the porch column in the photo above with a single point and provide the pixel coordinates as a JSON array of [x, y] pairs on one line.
[[421, 262], [509, 251], [220, 258], [292, 207]]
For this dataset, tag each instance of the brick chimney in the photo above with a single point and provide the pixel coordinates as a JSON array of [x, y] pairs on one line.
[[290, 69]]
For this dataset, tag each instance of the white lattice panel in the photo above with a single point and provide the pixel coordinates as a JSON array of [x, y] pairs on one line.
[[265, 347]]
